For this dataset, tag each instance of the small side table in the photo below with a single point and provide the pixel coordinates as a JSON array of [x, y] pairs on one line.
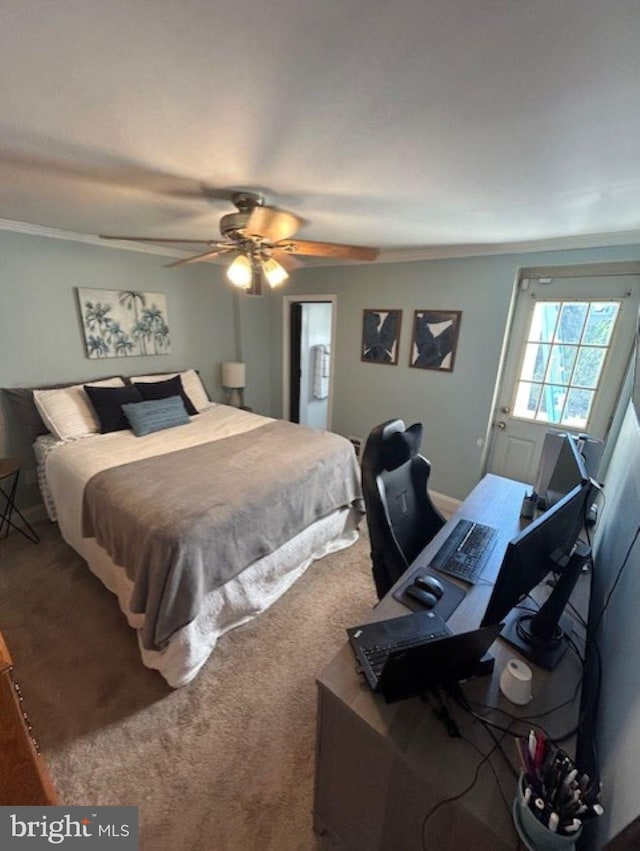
[[10, 467]]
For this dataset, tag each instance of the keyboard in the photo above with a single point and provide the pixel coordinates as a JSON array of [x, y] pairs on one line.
[[376, 654], [466, 550]]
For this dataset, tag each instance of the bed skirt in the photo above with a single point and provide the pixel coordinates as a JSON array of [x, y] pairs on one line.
[[239, 600]]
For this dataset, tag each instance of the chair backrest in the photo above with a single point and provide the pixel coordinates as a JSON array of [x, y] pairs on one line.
[[401, 517]]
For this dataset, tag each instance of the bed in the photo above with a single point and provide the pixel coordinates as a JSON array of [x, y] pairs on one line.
[[199, 527]]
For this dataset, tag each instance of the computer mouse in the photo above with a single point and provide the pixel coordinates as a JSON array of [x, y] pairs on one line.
[[427, 599], [431, 584]]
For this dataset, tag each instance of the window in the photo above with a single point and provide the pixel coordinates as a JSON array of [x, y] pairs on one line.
[[564, 355]]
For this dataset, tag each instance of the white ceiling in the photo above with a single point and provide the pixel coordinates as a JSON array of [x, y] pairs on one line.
[[406, 124]]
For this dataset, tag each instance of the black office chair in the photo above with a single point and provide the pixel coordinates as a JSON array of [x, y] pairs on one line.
[[401, 517]]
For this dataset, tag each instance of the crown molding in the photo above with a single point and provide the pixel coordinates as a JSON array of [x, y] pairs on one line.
[[88, 239], [400, 255], [561, 243]]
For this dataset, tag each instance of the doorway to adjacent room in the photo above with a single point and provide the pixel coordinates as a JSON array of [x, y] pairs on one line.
[[307, 378]]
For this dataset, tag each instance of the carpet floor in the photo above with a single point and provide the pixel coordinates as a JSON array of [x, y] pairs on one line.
[[223, 764]]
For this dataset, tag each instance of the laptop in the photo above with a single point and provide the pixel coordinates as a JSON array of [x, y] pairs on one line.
[[405, 656]]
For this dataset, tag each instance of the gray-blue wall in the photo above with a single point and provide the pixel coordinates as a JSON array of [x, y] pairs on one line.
[[41, 341], [455, 407], [617, 553], [40, 334]]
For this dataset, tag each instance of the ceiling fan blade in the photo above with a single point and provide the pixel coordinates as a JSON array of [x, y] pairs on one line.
[[328, 249], [153, 239], [271, 223], [288, 261], [198, 257]]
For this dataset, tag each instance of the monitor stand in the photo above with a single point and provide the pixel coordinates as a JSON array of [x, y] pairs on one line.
[[543, 636]]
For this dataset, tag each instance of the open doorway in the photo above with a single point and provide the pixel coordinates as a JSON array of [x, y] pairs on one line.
[[309, 329]]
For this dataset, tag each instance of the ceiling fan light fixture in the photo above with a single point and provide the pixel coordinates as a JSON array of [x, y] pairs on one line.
[[274, 272], [240, 272]]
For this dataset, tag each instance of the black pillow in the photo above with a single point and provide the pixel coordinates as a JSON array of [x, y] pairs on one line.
[[164, 389], [108, 402]]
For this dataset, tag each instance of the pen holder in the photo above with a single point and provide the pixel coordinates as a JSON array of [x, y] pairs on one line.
[[533, 832]]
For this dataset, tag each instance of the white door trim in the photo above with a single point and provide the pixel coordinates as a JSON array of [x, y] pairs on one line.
[[287, 301]]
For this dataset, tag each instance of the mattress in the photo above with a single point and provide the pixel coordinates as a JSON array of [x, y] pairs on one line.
[[67, 467]]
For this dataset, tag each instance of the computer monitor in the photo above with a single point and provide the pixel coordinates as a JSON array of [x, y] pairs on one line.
[[568, 471], [549, 543]]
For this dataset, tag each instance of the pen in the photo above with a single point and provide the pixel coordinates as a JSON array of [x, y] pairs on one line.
[[527, 764], [575, 825], [537, 807], [554, 820], [594, 810], [570, 777], [576, 809], [532, 745], [540, 749]]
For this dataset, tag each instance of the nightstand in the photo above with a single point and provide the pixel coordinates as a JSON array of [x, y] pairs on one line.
[[10, 471]]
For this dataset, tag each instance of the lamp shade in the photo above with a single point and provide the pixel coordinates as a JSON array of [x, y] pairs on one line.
[[274, 272], [240, 272], [233, 374]]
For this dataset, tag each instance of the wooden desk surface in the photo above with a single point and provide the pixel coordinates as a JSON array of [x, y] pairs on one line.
[[409, 729]]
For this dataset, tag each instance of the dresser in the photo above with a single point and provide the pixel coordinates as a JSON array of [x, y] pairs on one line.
[[24, 777]]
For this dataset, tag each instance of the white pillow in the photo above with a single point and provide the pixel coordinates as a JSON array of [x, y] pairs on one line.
[[191, 383], [67, 411]]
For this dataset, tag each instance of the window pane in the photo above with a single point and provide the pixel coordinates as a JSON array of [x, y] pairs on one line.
[[588, 367], [563, 360], [534, 367], [571, 323], [599, 327], [578, 407], [543, 321], [551, 403], [526, 400], [561, 364]]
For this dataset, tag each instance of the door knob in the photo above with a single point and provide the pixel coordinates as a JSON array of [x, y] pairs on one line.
[[505, 409], [501, 425]]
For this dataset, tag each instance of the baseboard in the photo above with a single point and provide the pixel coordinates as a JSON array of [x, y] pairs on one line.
[[447, 504]]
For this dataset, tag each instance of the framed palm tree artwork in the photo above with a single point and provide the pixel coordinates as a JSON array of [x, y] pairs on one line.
[[123, 323], [435, 339], [381, 335]]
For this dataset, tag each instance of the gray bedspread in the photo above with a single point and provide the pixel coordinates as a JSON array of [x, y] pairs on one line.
[[184, 523]]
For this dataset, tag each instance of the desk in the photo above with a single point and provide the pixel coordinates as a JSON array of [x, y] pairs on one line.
[[380, 768]]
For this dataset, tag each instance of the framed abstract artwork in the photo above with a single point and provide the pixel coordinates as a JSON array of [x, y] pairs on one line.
[[381, 335], [124, 323], [435, 339]]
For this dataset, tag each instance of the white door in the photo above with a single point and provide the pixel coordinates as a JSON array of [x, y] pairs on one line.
[[567, 353]]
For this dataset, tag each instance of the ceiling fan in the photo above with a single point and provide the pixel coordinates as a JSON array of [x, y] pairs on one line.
[[260, 236]]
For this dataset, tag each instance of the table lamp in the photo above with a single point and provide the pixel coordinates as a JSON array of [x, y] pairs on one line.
[[233, 377]]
